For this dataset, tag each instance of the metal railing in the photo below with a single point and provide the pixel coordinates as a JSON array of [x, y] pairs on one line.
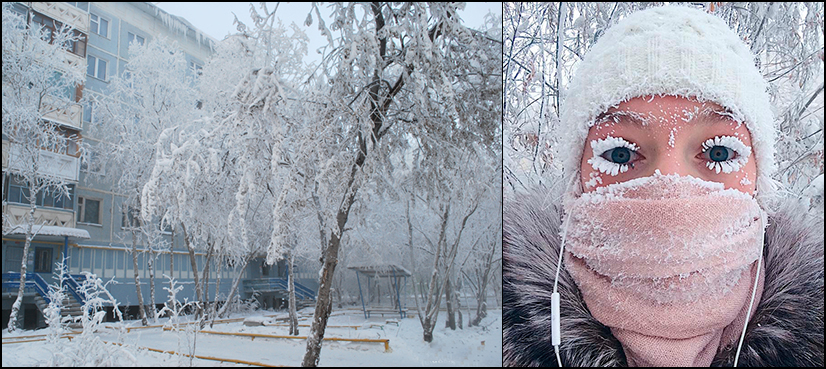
[[277, 284], [11, 281]]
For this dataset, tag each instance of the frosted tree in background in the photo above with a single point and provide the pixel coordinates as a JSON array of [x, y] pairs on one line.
[[387, 61], [544, 42], [36, 76], [152, 94]]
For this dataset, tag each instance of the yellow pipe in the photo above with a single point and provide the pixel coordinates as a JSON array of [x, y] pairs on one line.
[[157, 350], [202, 357], [253, 335], [356, 327], [36, 335]]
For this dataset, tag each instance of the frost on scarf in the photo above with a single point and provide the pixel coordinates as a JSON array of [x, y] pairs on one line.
[[666, 238]]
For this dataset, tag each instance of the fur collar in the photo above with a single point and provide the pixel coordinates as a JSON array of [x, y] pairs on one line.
[[786, 329]]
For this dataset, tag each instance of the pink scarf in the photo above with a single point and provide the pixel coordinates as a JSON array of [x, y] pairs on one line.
[[668, 263]]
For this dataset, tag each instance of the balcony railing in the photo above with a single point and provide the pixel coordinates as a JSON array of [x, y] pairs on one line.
[[68, 115], [59, 165], [16, 214], [64, 13]]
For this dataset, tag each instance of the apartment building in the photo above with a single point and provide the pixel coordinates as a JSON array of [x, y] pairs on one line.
[[89, 228]]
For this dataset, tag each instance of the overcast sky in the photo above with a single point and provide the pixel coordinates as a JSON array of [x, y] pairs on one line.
[[215, 19]]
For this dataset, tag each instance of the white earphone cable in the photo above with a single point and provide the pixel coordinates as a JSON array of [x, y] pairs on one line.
[[556, 337], [753, 292]]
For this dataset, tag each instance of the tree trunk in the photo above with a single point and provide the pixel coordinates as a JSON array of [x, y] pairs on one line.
[[141, 308], [324, 303], [152, 257], [434, 289], [194, 265], [205, 282], [214, 311], [323, 306], [15, 308], [235, 284], [481, 296], [451, 314], [172, 271], [291, 288]]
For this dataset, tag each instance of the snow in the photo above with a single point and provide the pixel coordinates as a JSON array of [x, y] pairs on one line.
[[471, 346], [44, 230]]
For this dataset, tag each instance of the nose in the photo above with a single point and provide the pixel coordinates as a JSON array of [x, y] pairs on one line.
[[669, 163]]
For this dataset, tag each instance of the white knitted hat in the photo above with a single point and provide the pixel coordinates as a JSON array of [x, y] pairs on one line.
[[669, 50]]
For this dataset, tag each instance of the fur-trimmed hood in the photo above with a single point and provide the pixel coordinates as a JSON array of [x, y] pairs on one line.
[[786, 329]]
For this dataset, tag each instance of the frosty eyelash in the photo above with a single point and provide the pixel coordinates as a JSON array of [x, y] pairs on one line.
[[601, 146], [730, 165]]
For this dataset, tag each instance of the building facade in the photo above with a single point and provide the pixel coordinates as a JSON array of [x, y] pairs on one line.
[[90, 228]]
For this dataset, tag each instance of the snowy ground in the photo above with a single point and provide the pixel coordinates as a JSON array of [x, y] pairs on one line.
[[474, 346]]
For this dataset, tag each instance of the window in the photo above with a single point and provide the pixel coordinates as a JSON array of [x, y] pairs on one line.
[[18, 191], [55, 199], [96, 67], [78, 47], [131, 218], [99, 25], [88, 210], [92, 164], [42, 260], [196, 68], [165, 228], [80, 5], [134, 37], [87, 112]]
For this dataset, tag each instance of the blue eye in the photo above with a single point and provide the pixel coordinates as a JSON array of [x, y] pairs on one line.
[[618, 155], [719, 153]]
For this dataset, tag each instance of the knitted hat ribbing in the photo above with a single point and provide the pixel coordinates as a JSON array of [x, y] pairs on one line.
[[669, 50]]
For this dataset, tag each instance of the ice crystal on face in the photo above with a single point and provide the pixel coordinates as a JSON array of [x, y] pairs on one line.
[[595, 179], [599, 147], [733, 143]]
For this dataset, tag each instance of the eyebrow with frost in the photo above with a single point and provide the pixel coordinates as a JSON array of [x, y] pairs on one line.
[[707, 115]]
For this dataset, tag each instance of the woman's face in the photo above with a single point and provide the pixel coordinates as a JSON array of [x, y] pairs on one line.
[[673, 134]]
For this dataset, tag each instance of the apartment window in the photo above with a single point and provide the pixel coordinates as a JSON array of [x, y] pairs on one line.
[[42, 260], [78, 47], [96, 67], [18, 191], [134, 37], [131, 218], [56, 199], [99, 25], [88, 210], [196, 69], [87, 112], [92, 164], [81, 5], [51, 26]]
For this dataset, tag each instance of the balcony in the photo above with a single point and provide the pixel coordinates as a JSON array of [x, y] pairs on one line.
[[5, 155], [64, 13], [15, 214], [66, 115], [59, 165]]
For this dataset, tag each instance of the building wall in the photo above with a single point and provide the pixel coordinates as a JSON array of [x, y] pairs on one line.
[[106, 253]]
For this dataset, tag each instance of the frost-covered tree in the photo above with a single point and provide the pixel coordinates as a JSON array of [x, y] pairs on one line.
[[152, 94], [383, 78], [479, 267], [543, 42], [191, 185], [36, 75]]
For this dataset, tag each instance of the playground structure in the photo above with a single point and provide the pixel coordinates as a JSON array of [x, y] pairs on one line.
[[374, 274]]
